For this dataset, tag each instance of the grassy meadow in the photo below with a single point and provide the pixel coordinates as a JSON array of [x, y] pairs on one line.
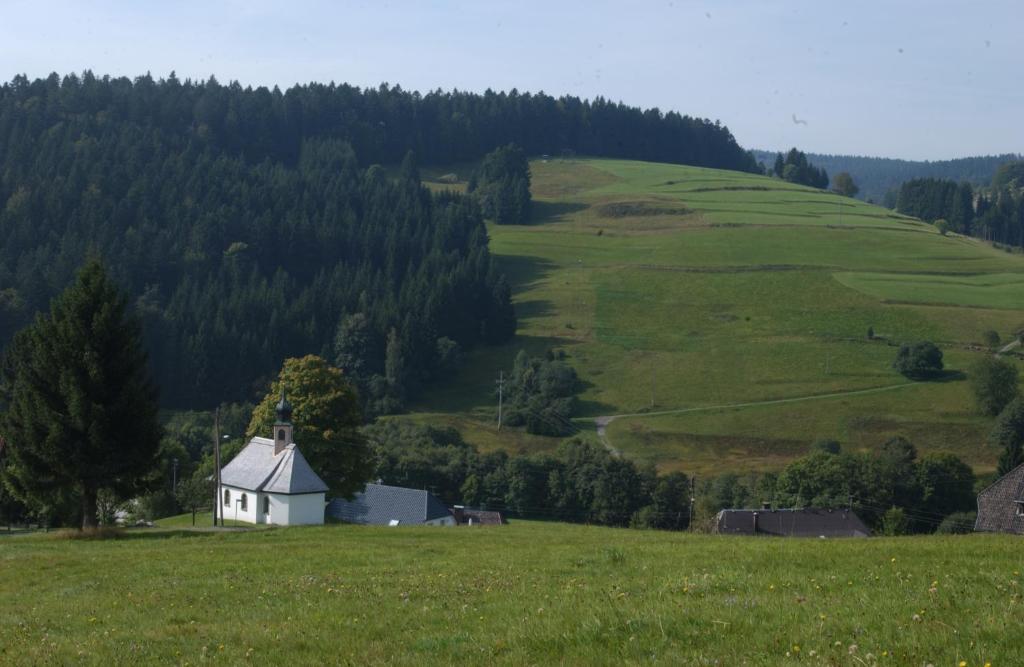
[[527, 593], [676, 288]]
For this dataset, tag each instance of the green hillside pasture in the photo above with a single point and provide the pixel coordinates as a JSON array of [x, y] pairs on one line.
[[766, 437], [528, 593], [706, 288], [990, 290]]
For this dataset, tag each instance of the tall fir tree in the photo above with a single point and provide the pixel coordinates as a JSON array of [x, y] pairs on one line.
[[81, 408]]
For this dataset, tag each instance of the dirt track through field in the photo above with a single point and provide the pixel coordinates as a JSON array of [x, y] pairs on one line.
[[603, 421]]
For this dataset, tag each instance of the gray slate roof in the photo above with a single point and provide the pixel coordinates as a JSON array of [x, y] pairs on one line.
[[808, 522], [998, 504], [256, 468], [380, 504]]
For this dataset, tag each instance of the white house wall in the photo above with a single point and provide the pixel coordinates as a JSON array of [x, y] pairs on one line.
[[442, 521], [285, 510], [298, 510], [234, 510]]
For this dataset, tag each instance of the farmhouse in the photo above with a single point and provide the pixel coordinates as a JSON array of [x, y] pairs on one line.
[[1001, 505], [271, 482], [808, 522], [382, 505]]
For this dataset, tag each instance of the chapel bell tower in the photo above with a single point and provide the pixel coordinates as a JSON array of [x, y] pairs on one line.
[[283, 425]]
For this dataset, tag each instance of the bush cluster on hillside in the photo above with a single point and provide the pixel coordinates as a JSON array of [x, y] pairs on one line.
[[795, 168], [918, 361], [541, 394], [581, 482]]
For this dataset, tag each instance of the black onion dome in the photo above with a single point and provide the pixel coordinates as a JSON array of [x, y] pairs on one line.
[[284, 409]]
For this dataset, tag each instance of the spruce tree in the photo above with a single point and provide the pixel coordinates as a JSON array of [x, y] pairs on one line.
[[81, 408]]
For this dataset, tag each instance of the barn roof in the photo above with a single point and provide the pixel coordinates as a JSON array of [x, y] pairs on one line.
[[463, 515], [805, 522], [999, 504], [257, 468], [383, 505]]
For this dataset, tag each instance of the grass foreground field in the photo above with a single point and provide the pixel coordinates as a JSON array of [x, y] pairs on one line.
[[528, 593], [675, 288]]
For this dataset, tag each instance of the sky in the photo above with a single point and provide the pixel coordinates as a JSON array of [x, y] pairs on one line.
[[916, 79]]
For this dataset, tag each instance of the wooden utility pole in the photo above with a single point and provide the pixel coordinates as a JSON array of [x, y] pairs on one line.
[[693, 497], [654, 370], [216, 465], [501, 394]]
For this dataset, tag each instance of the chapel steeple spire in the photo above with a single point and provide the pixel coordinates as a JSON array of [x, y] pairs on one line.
[[283, 426]]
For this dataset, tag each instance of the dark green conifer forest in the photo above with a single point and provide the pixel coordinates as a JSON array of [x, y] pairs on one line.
[[994, 213], [249, 225]]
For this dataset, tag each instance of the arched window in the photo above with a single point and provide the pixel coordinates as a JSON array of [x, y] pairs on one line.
[[266, 504], [227, 497], [280, 434], [245, 502]]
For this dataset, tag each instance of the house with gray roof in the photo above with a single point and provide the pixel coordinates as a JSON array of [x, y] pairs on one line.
[[803, 522], [382, 505], [1001, 505], [270, 481]]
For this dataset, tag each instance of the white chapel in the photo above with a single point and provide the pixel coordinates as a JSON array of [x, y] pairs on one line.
[[271, 482]]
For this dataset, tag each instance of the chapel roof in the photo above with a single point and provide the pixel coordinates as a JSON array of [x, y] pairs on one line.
[[257, 468]]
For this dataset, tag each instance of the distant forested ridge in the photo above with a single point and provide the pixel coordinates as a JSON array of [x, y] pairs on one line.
[[876, 177], [250, 225]]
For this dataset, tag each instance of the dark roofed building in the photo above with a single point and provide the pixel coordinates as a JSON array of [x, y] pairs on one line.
[[809, 522], [466, 516], [382, 505], [1001, 505]]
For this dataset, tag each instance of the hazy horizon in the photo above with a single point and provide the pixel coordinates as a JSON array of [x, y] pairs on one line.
[[922, 80]]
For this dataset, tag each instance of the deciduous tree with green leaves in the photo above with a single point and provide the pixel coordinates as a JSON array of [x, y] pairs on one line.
[[843, 184], [994, 384], [326, 416], [918, 361], [1008, 436], [81, 407]]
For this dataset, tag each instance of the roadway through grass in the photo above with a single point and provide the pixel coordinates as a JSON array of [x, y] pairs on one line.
[[681, 289], [527, 593]]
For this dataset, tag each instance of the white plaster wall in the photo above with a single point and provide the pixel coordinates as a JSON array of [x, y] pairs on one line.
[[443, 521], [297, 510], [251, 513]]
